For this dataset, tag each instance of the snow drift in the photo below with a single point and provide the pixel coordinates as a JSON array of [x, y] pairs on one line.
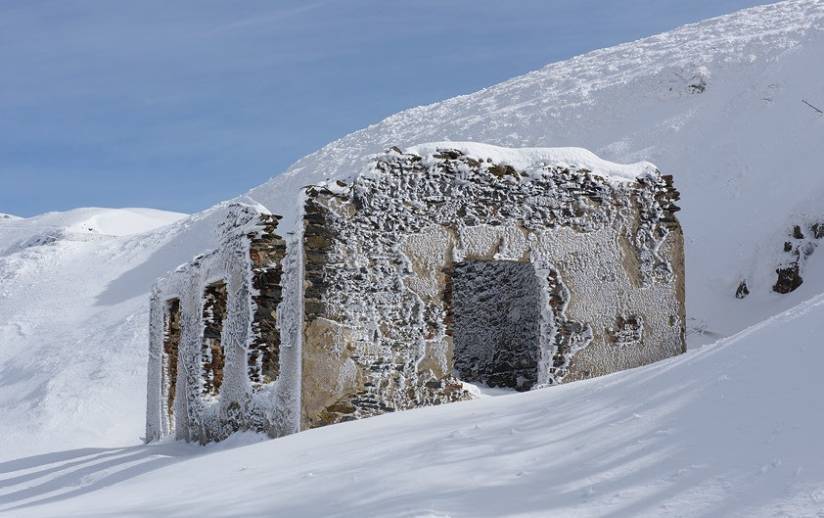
[[704, 434]]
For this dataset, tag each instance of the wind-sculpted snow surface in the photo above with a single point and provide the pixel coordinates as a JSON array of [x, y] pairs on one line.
[[705, 434], [718, 104]]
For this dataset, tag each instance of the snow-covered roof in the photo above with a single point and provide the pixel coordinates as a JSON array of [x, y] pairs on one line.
[[286, 201], [537, 158]]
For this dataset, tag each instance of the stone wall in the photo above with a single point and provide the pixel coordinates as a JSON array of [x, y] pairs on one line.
[[266, 252], [215, 355], [171, 348], [212, 357], [380, 253], [801, 244], [405, 287]]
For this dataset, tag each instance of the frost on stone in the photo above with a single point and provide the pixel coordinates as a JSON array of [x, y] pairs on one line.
[[698, 81], [211, 350], [496, 325], [802, 243], [432, 270], [212, 359], [394, 278]]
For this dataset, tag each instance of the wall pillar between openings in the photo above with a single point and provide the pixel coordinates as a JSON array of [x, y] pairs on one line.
[[235, 391], [188, 402], [156, 418]]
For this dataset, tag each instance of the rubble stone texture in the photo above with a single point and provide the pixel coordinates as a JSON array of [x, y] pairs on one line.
[[425, 275], [802, 244]]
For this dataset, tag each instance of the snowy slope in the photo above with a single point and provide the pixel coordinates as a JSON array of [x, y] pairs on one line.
[[746, 151], [716, 432], [74, 302], [747, 157], [72, 369], [79, 224]]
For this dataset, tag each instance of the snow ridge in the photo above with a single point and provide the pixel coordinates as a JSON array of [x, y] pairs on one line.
[[718, 104], [519, 112]]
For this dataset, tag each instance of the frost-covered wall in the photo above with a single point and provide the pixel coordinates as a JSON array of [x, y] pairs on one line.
[[605, 253], [215, 354], [432, 272]]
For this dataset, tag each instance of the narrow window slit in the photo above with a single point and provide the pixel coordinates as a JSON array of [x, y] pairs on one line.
[[171, 345], [266, 253], [212, 355]]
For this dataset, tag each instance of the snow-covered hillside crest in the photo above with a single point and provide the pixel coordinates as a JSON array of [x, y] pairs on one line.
[[718, 104], [73, 325]]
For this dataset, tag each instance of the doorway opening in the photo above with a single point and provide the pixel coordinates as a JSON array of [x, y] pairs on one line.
[[496, 323]]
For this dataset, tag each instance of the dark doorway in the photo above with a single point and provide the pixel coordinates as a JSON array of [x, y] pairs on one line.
[[496, 329]]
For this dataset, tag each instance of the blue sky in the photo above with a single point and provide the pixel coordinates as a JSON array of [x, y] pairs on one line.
[[178, 105]]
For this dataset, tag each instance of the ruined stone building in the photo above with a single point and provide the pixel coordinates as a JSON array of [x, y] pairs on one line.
[[432, 274]]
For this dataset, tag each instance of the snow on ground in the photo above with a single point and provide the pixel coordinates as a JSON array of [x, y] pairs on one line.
[[80, 224], [730, 429], [73, 362], [117, 222]]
